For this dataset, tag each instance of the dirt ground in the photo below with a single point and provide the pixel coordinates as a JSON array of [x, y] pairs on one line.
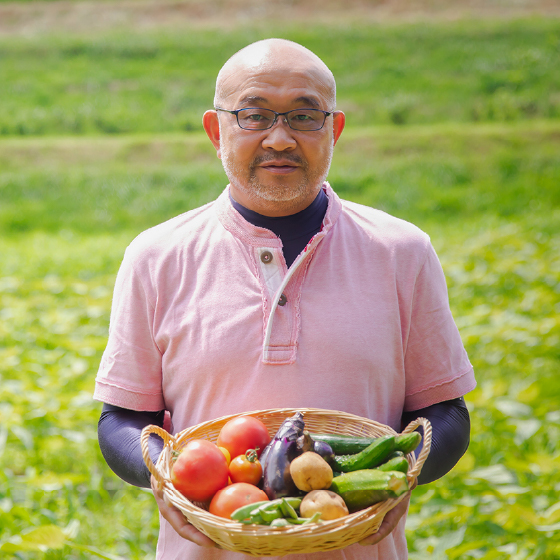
[[83, 16]]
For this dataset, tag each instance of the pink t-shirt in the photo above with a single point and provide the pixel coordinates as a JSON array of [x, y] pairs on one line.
[[208, 321]]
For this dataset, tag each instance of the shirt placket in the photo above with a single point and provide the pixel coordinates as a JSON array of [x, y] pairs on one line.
[[281, 345], [281, 311]]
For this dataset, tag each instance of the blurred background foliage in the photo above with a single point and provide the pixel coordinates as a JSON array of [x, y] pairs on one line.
[[129, 82], [453, 124]]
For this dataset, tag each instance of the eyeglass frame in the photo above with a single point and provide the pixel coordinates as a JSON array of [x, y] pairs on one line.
[[276, 115]]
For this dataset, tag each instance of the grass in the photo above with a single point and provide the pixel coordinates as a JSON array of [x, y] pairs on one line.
[[483, 185], [399, 74], [423, 174]]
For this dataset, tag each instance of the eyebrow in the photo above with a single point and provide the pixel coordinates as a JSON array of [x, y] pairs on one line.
[[249, 99]]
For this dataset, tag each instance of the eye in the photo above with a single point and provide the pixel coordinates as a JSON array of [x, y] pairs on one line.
[[255, 116], [306, 116]]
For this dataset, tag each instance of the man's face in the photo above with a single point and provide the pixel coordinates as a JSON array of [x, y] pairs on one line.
[[278, 171]]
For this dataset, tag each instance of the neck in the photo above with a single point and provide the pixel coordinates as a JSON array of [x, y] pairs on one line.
[[273, 208], [296, 230]]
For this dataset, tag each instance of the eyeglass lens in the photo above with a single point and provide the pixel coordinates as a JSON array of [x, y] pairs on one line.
[[298, 119]]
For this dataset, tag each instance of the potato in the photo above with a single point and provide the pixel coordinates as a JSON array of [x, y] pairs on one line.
[[311, 472], [329, 504]]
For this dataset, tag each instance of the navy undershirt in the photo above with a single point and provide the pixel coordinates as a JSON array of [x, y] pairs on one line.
[[119, 429], [296, 230]]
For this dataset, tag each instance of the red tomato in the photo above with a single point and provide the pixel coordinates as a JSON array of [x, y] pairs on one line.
[[246, 468], [242, 433], [200, 470], [228, 499]]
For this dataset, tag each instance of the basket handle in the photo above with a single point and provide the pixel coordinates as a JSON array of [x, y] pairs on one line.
[[427, 443], [144, 438]]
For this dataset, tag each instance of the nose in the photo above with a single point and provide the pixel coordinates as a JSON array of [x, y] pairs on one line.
[[280, 136]]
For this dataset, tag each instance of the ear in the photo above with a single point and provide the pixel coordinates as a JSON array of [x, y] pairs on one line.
[[212, 127], [339, 120]]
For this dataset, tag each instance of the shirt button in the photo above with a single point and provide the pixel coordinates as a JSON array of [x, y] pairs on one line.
[[283, 300], [266, 257]]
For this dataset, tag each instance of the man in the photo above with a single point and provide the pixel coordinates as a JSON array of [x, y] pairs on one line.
[[279, 294]]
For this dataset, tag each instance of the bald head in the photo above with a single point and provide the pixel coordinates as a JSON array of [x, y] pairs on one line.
[[273, 56]]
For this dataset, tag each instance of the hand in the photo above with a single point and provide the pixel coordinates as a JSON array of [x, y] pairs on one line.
[[390, 521], [178, 521]]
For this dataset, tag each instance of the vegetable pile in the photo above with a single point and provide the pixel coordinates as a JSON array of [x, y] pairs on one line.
[[293, 478]]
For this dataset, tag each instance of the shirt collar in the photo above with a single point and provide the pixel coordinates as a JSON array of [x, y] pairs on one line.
[[256, 236]]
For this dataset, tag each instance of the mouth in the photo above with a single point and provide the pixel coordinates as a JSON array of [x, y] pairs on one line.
[[279, 167]]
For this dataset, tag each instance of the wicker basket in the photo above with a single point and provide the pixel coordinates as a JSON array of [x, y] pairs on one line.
[[260, 540]]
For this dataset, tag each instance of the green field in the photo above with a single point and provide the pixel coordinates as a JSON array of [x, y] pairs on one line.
[[454, 126], [160, 82]]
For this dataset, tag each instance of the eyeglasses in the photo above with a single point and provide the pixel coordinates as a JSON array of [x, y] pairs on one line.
[[256, 118]]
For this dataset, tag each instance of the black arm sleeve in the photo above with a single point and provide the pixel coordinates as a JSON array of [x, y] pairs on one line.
[[451, 429], [119, 432]]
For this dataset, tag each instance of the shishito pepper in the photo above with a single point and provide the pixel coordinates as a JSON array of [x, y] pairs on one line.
[[263, 513]]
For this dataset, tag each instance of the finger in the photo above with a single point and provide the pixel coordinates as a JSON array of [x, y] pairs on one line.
[[178, 521], [183, 528], [191, 533], [390, 521], [181, 525]]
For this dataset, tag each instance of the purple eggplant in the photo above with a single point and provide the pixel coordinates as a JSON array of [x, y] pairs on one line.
[[264, 454], [325, 450], [307, 443], [279, 453]]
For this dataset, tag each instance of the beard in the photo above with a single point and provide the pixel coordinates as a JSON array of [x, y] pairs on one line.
[[276, 189]]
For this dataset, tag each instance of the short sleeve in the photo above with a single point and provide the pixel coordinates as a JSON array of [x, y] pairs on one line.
[[130, 372], [436, 363]]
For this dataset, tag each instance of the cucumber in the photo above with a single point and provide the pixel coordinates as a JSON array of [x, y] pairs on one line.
[[363, 488], [395, 454], [407, 443], [395, 464], [371, 457], [344, 445], [350, 445]]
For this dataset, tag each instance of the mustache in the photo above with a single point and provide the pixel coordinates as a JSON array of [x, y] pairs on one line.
[[294, 158]]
